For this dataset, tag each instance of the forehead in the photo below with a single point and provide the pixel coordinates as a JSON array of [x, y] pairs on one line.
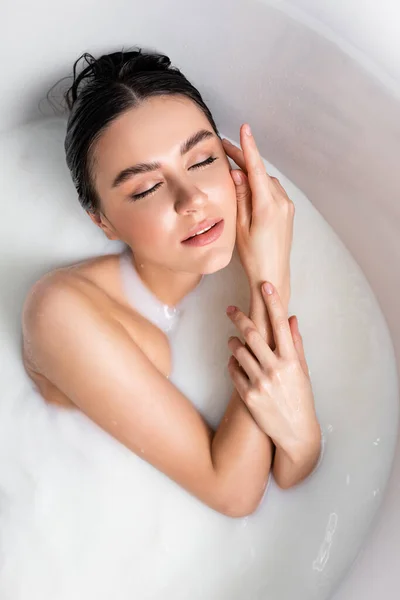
[[144, 133]]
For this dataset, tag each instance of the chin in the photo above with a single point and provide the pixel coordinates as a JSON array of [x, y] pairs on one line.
[[220, 259]]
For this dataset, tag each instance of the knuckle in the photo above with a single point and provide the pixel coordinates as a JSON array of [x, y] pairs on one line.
[[233, 364], [250, 398], [284, 204], [240, 352], [243, 190], [281, 323], [273, 300], [235, 316], [242, 194], [269, 375], [258, 169], [242, 321], [262, 385], [275, 375], [287, 364], [232, 342], [291, 206], [296, 339], [293, 364], [250, 334]]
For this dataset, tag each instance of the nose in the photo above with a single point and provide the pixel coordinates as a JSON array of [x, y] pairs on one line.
[[190, 199]]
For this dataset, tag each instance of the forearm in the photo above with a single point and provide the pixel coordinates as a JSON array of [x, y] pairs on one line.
[[241, 455], [241, 451], [259, 312], [292, 465]]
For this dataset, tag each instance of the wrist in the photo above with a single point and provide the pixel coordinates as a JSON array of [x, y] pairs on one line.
[[306, 450], [283, 289], [290, 468]]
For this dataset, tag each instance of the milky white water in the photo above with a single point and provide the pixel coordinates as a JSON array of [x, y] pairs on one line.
[[82, 517]]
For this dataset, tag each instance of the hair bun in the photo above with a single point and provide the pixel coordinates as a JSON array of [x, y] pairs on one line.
[[115, 66], [118, 64]]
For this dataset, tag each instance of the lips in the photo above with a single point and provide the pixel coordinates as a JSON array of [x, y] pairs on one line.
[[200, 226]]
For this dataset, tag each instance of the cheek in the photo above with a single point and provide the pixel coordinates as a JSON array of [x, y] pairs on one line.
[[147, 230], [227, 191], [223, 187]]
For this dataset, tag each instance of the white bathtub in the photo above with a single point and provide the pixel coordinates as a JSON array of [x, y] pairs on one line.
[[320, 85]]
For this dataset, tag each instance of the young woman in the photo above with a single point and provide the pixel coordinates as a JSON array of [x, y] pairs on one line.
[[151, 170]]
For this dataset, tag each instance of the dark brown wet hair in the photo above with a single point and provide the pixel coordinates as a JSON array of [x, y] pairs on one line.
[[107, 87]]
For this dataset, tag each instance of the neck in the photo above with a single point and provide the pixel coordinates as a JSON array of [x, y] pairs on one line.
[[170, 287]]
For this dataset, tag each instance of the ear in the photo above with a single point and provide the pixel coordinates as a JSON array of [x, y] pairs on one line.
[[99, 220]]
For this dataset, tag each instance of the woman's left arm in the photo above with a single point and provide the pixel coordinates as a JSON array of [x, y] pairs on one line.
[[264, 229]]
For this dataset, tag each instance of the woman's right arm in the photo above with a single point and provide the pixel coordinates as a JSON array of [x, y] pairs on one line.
[[95, 363]]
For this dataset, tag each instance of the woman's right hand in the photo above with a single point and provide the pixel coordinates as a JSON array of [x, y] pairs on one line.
[[264, 217]]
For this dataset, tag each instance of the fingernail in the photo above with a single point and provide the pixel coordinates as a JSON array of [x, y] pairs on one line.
[[237, 178], [230, 310], [268, 289], [247, 129], [226, 141]]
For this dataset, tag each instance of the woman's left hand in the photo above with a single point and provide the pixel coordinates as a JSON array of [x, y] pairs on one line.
[[275, 385], [265, 215]]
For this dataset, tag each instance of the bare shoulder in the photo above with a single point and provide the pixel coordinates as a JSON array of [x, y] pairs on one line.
[[55, 294], [86, 276], [88, 299], [51, 292], [54, 297], [95, 279]]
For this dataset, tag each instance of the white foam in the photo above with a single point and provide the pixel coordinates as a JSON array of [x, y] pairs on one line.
[[82, 517]]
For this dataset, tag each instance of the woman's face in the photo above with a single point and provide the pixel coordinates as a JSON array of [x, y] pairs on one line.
[[154, 210]]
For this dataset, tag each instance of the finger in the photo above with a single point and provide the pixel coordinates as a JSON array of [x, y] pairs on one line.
[[256, 354], [235, 153], [245, 358], [279, 322], [277, 183], [238, 377], [298, 344], [282, 194], [276, 180], [260, 182], [243, 196]]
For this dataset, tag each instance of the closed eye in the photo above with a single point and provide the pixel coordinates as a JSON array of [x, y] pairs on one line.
[[152, 190], [206, 162]]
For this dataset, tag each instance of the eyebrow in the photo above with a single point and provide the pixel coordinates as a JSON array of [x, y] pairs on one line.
[[129, 172]]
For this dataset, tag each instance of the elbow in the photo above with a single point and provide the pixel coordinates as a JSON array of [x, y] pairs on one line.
[[291, 480], [238, 507], [291, 472], [238, 511], [286, 481], [285, 484]]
